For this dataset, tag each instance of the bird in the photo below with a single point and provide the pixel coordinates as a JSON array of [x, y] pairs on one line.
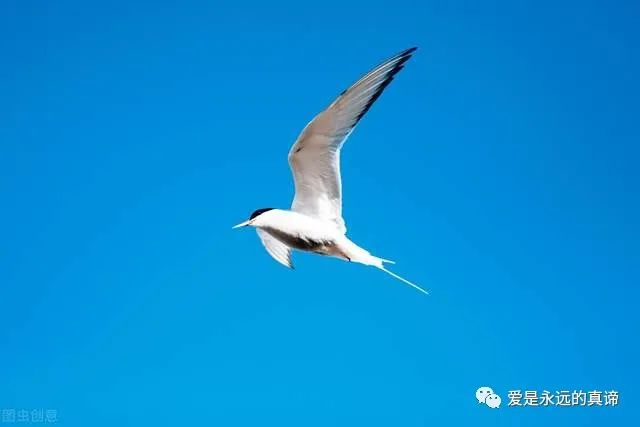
[[315, 223]]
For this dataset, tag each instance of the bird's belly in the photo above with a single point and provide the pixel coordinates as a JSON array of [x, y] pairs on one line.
[[305, 243]]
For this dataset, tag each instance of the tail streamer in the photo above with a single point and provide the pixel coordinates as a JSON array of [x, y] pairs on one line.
[[413, 285]]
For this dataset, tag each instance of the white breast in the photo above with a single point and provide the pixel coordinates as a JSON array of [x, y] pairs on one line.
[[297, 225]]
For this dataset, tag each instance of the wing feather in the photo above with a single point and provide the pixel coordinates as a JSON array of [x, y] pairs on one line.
[[315, 156], [278, 250]]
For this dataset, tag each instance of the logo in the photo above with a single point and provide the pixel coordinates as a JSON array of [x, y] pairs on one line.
[[545, 398], [487, 396]]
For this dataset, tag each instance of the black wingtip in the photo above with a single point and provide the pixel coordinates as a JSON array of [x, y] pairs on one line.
[[402, 57], [409, 51]]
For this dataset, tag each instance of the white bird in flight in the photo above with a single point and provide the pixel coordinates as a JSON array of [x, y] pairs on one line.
[[315, 223]]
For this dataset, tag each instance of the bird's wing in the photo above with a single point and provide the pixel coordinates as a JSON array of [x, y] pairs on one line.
[[315, 156], [278, 250]]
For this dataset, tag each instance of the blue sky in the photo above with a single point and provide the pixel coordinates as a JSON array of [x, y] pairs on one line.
[[500, 170]]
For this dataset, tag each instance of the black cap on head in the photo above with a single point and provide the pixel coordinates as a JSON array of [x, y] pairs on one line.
[[259, 212]]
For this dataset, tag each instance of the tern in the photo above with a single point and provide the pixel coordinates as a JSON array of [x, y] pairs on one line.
[[314, 223]]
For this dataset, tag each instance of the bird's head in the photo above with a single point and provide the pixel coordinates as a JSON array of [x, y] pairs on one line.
[[253, 218]]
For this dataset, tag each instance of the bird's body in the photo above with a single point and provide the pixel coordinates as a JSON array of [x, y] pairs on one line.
[[304, 233], [315, 223]]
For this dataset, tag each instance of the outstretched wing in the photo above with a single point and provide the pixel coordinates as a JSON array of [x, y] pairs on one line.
[[278, 250], [315, 156]]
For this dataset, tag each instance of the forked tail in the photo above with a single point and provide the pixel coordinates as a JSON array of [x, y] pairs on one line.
[[354, 253]]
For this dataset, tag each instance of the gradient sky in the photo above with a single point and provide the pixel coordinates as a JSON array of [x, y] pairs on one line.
[[500, 171]]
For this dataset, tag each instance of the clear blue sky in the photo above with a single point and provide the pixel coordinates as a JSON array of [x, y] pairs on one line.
[[500, 170]]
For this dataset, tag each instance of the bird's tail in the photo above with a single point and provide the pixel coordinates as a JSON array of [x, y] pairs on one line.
[[354, 253], [402, 279]]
